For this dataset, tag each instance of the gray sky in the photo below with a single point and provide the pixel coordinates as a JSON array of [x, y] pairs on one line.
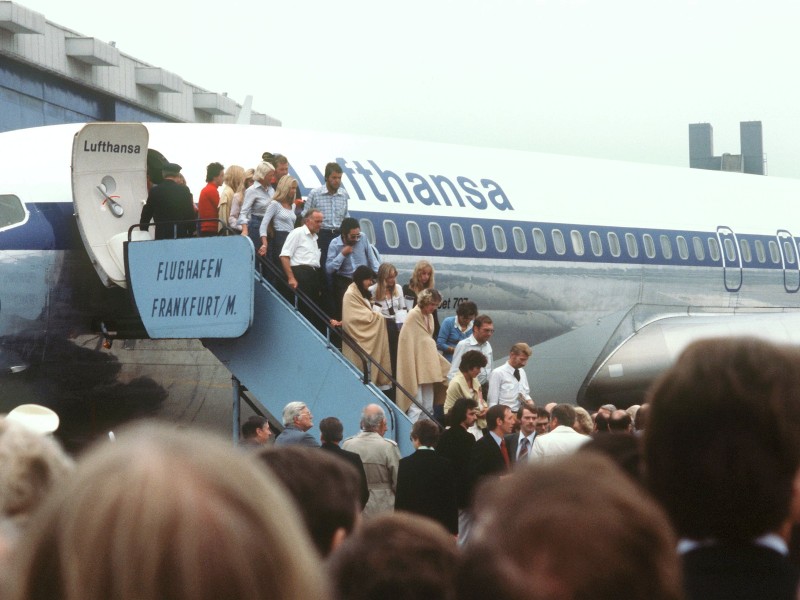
[[617, 79]]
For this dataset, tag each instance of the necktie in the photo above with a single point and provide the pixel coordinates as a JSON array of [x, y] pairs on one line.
[[523, 449], [516, 374], [504, 452]]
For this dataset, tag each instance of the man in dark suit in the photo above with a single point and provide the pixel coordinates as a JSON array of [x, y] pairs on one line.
[[490, 455], [167, 202], [331, 434], [722, 455], [519, 444], [425, 481], [456, 443]]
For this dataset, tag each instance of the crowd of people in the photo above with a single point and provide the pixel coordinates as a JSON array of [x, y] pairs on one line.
[[694, 494]]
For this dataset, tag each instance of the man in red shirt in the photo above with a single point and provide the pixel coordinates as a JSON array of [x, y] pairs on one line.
[[208, 204]]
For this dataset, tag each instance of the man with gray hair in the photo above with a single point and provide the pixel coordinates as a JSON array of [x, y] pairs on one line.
[[381, 459], [297, 419]]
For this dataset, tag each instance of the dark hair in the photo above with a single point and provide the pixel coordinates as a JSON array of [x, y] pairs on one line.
[[465, 309], [253, 423], [498, 411], [325, 488], [527, 405], [564, 413], [401, 556], [623, 448], [481, 320], [619, 421], [332, 167], [722, 439], [213, 170], [331, 429], [458, 412], [348, 224], [471, 359], [541, 411], [580, 529], [425, 432]]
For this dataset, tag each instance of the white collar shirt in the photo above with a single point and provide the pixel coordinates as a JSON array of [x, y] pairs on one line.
[[301, 248]]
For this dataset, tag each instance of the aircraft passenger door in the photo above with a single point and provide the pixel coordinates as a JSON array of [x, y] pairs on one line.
[[791, 262], [731, 259]]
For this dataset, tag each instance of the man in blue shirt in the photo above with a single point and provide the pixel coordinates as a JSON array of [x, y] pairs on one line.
[[345, 254], [456, 328]]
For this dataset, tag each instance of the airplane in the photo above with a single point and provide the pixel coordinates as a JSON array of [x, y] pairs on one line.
[[607, 269]]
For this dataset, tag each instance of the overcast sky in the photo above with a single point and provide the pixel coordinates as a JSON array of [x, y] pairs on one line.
[[617, 79]]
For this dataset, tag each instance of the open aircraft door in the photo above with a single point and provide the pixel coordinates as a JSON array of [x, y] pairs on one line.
[[109, 187], [790, 259], [731, 259]]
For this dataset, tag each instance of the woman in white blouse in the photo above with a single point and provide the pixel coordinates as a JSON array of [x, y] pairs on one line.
[[280, 212], [387, 297]]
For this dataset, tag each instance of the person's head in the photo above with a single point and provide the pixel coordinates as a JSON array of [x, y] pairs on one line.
[[215, 173], [429, 300], [466, 312], [171, 171], [601, 422], [464, 413], [297, 414], [363, 277], [351, 231], [281, 164], [333, 176], [500, 419], [373, 419], [249, 178], [620, 421], [580, 529], [606, 410], [550, 406], [164, 513], [424, 433], [264, 173], [387, 280], [313, 221], [583, 421], [519, 355], [562, 414], [398, 555], [722, 444], [422, 277], [256, 428], [472, 361], [482, 328], [234, 177], [286, 190], [325, 487], [331, 430], [526, 417], [542, 421], [623, 448]]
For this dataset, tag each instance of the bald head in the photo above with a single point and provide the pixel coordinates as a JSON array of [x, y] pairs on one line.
[[373, 419]]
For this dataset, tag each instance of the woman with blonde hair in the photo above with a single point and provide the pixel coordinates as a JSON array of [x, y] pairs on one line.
[[238, 199], [164, 513], [387, 296], [256, 199], [422, 278], [280, 212], [234, 178]]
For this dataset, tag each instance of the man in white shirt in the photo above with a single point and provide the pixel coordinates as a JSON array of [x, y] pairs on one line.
[[508, 384], [562, 439], [300, 259], [482, 330]]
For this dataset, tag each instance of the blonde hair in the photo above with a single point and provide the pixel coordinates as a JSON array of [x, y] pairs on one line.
[[234, 177], [262, 170], [429, 296], [384, 271], [168, 514], [283, 191], [415, 284]]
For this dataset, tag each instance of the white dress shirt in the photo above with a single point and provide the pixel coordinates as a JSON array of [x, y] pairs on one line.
[[505, 389], [560, 441], [472, 344], [301, 248]]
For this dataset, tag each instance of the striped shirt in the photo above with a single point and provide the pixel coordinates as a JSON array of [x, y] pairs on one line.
[[283, 218], [255, 202]]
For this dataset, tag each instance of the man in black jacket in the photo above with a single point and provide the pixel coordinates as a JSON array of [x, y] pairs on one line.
[[331, 434], [168, 202]]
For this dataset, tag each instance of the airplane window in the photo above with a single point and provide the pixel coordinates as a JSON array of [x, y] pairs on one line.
[[558, 242], [499, 238], [713, 249], [683, 247], [11, 210], [367, 229], [577, 242], [390, 233], [649, 245], [632, 246], [666, 246], [457, 235], [478, 238], [774, 252], [539, 241], [414, 235], [437, 237], [596, 243], [761, 254], [744, 248], [730, 250], [613, 244], [520, 243], [699, 251], [788, 250]]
